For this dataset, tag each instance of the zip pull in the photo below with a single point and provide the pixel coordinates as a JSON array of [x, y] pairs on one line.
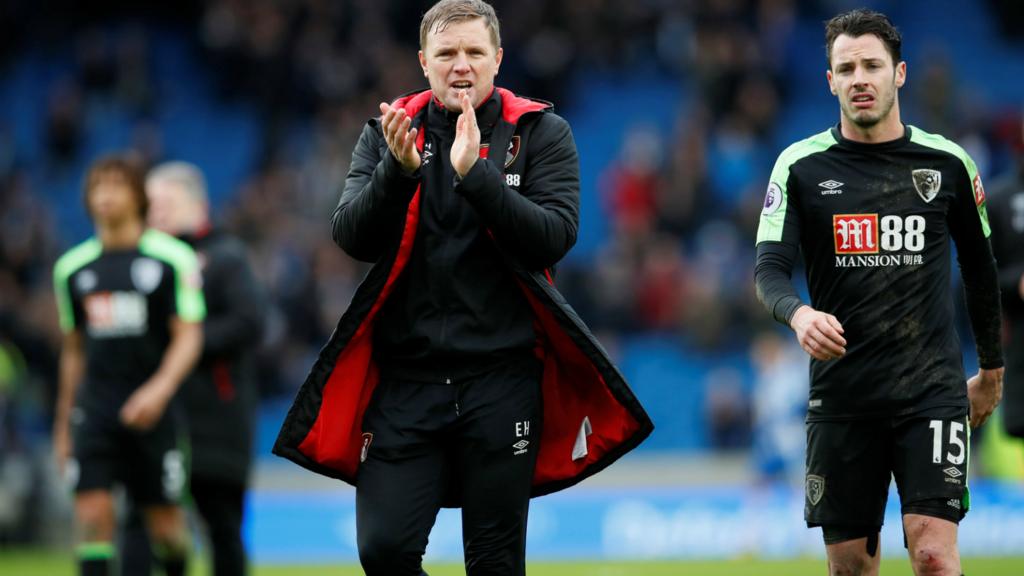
[[448, 380]]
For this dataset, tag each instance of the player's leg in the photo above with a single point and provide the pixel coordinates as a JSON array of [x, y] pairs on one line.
[[92, 471], [402, 478], [168, 530], [931, 543], [852, 551], [94, 521], [157, 484], [220, 504], [500, 435], [134, 549], [931, 456], [847, 484]]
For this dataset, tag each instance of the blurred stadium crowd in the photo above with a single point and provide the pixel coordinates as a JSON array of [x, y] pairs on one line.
[[678, 202]]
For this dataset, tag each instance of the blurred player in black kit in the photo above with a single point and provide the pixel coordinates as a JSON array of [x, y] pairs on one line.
[[872, 204], [1007, 202], [220, 395], [130, 304], [459, 376]]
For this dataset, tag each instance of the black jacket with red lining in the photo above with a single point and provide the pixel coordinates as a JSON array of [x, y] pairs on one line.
[[591, 417]]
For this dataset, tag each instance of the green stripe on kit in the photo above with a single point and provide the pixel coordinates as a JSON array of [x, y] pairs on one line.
[[95, 550], [72, 261]]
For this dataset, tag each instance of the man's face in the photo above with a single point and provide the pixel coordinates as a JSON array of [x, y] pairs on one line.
[[111, 200], [864, 78], [172, 209], [461, 57]]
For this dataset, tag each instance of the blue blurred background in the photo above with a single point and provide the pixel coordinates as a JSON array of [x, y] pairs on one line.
[[679, 108]]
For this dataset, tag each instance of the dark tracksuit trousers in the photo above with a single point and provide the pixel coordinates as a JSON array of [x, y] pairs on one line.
[[220, 504], [475, 440]]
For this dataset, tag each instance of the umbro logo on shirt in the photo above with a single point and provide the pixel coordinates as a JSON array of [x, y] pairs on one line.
[[831, 187]]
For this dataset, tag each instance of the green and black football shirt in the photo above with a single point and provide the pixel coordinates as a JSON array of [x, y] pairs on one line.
[[122, 302], [874, 223]]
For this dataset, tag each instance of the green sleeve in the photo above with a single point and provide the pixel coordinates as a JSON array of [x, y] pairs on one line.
[[72, 261], [188, 287]]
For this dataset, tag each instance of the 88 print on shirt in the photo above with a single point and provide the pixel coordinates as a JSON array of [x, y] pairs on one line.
[[859, 238]]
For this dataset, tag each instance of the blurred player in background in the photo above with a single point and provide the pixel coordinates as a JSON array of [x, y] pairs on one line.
[[130, 304], [872, 203], [1007, 201], [220, 395], [465, 196]]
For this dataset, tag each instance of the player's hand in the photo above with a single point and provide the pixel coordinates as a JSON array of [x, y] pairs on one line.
[[819, 334], [145, 406], [984, 390], [466, 148], [401, 139]]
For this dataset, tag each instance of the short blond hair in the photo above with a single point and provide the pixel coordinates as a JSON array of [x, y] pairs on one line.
[[446, 12]]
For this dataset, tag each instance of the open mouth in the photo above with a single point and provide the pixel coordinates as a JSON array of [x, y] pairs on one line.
[[863, 100], [462, 85]]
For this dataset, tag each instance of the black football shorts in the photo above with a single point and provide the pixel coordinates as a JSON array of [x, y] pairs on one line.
[[152, 465], [850, 463]]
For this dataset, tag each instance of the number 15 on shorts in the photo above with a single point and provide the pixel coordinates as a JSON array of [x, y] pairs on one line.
[[957, 450]]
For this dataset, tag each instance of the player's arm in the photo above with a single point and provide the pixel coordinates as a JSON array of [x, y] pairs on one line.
[[147, 404], [819, 333], [536, 221], [968, 225], [71, 369], [377, 189], [70, 374], [187, 310]]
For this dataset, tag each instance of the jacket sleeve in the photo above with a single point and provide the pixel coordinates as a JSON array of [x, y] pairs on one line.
[[537, 223], [240, 323], [968, 225], [374, 200], [1003, 238]]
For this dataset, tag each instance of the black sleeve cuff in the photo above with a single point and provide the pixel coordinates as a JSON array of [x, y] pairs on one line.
[[392, 169], [990, 364], [473, 184], [786, 308]]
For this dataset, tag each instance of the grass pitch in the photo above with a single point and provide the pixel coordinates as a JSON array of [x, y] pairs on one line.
[[32, 563]]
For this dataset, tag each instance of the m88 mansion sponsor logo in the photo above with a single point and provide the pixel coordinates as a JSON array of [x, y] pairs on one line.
[[870, 240], [115, 314]]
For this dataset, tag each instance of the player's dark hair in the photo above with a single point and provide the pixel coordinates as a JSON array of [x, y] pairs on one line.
[[447, 12], [126, 165], [860, 22]]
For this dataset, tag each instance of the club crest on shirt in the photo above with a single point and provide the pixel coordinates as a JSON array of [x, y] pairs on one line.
[[146, 274], [85, 281], [513, 151], [927, 183], [815, 487]]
